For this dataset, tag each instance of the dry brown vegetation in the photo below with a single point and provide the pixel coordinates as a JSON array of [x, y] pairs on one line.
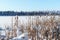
[[46, 28]]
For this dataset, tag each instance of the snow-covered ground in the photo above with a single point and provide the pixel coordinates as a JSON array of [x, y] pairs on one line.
[[23, 36]]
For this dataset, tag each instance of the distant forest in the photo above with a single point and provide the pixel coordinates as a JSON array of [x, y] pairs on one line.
[[12, 13]]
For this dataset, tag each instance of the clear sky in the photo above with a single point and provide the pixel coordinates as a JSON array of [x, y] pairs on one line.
[[29, 5]]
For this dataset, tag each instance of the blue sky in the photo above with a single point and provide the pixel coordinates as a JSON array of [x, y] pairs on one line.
[[29, 5]]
